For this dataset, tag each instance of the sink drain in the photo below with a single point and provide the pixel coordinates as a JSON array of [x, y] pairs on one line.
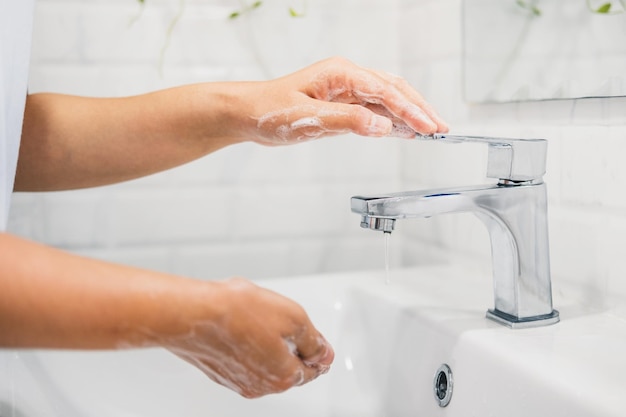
[[442, 385]]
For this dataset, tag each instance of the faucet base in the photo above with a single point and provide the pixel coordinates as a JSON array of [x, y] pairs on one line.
[[513, 322]]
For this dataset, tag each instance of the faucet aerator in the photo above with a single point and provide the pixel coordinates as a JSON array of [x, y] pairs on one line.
[[377, 223]]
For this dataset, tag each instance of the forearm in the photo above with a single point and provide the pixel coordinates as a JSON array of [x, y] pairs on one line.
[[247, 338], [73, 142], [51, 299]]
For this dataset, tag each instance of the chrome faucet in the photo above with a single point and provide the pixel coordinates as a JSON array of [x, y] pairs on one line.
[[515, 212]]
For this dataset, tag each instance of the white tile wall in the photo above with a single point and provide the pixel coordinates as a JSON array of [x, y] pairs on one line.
[[246, 210], [586, 175], [262, 212]]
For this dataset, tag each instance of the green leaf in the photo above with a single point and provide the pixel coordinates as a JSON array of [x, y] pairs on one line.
[[605, 8], [246, 9], [294, 13], [532, 8]]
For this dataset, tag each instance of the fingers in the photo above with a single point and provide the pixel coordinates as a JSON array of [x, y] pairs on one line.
[[314, 351], [313, 356], [409, 93], [400, 100], [301, 360], [342, 118], [307, 344], [259, 343], [339, 80], [317, 119], [364, 120], [336, 96], [306, 353], [320, 119]]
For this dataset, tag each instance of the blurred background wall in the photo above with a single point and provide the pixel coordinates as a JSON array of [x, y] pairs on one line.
[[247, 210], [267, 212]]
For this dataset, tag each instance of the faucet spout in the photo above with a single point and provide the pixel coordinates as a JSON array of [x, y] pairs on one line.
[[516, 218]]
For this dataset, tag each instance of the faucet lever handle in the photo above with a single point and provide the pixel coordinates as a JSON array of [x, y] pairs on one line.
[[518, 160]]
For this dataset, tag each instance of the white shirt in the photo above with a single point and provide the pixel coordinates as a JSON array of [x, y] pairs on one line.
[[16, 25]]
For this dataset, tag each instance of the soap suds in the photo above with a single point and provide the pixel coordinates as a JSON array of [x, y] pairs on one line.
[[307, 122], [402, 131], [241, 362], [279, 127]]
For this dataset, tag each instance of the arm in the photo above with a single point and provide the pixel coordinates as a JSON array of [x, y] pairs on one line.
[[74, 142], [51, 299]]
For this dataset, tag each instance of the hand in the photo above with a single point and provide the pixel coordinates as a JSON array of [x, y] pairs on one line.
[[244, 337], [259, 343], [336, 96]]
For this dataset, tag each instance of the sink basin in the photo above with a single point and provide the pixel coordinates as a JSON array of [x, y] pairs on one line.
[[390, 341]]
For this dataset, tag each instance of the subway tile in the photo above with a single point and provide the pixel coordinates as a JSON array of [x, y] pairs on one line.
[[589, 111], [351, 159], [143, 216], [204, 36], [263, 212], [338, 37], [363, 251], [27, 216], [547, 112], [292, 210], [430, 30], [248, 259], [193, 214], [443, 89], [592, 167], [432, 164], [110, 33], [254, 259], [615, 114], [418, 253], [276, 257], [614, 247], [76, 219], [578, 255], [458, 235], [492, 114], [155, 258], [116, 80], [56, 33]]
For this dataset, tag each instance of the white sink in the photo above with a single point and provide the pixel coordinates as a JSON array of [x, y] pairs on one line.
[[389, 341]]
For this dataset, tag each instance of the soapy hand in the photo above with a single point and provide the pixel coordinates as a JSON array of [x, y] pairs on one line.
[[258, 343], [246, 338], [335, 96]]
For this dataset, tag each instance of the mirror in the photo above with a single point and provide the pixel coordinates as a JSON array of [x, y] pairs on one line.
[[519, 50]]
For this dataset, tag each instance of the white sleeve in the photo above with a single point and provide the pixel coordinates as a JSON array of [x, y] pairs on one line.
[[16, 25]]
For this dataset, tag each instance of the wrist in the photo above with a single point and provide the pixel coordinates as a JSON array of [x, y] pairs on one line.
[[225, 111], [176, 309]]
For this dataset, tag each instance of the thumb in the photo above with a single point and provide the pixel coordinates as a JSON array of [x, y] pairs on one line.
[[324, 356], [313, 349]]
